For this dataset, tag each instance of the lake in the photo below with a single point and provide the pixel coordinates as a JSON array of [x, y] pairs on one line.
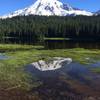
[[56, 44], [72, 81], [3, 56], [62, 44]]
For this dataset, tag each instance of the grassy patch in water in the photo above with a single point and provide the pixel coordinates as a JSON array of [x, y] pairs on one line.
[[96, 70], [80, 55], [17, 47], [56, 38], [11, 70]]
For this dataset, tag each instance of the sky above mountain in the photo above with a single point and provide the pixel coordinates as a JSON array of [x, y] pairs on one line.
[[8, 6]]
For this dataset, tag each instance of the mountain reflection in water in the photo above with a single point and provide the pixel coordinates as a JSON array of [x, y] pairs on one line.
[[72, 79]]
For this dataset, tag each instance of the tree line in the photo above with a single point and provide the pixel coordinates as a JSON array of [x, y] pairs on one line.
[[35, 28]]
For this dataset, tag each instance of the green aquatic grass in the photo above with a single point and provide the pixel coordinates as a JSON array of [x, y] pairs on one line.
[[17, 47], [56, 38], [96, 70], [11, 70], [77, 54]]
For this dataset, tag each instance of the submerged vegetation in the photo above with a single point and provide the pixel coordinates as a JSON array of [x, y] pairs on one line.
[[12, 72], [96, 70]]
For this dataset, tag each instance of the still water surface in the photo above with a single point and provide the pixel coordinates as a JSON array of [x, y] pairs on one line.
[[3, 56], [55, 44], [71, 80]]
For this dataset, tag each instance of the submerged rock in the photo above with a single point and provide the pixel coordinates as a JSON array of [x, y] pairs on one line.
[[55, 63]]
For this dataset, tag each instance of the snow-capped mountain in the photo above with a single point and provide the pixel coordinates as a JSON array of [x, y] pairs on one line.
[[97, 13], [49, 8]]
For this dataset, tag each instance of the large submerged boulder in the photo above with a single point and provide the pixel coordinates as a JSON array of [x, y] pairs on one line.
[[55, 63]]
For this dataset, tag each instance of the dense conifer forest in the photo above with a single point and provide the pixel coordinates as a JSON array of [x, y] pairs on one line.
[[35, 28]]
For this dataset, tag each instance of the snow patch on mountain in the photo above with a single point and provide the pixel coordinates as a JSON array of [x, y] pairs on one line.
[[48, 8], [97, 13]]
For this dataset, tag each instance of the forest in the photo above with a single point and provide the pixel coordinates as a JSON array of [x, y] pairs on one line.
[[36, 28]]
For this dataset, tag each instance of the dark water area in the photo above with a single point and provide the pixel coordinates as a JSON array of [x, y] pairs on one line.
[[21, 40], [71, 81], [62, 44], [55, 44]]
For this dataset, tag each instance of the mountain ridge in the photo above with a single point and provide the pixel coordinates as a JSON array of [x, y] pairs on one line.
[[49, 8], [97, 13]]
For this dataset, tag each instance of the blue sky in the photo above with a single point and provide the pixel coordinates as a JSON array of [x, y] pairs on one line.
[[7, 6]]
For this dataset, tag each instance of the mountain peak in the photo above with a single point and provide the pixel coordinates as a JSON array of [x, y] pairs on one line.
[[49, 8], [97, 13], [44, 1]]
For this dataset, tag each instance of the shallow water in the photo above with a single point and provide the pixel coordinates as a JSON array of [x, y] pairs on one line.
[[3, 56], [73, 79]]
